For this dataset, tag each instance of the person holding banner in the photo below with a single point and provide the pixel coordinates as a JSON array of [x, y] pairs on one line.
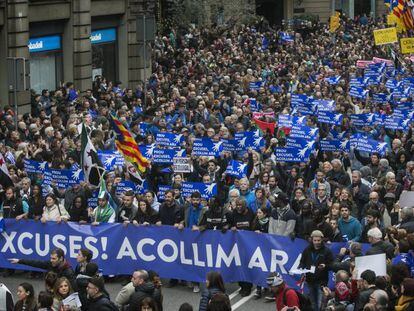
[[242, 218], [53, 211], [316, 257]]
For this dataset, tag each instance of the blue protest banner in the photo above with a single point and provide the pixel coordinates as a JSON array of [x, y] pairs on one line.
[[256, 85], [254, 105], [358, 92], [177, 254], [110, 158], [335, 145], [358, 82], [363, 119], [166, 156], [236, 169], [363, 143], [125, 185], [32, 166], [142, 188], [207, 147], [169, 139], [147, 150], [161, 191], [143, 128], [300, 143], [63, 178], [286, 38], [286, 120], [325, 105], [245, 140], [207, 191], [229, 145], [333, 80], [380, 98], [304, 131], [292, 154], [330, 117], [395, 123]]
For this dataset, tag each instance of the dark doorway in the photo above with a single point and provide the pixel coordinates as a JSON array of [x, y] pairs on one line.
[[362, 7], [272, 10]]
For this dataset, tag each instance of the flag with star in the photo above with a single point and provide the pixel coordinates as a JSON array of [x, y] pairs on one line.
[[5, 179], [91, 165], [127, 145]]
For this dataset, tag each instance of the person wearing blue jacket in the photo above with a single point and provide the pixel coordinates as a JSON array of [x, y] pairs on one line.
[[349, 226]]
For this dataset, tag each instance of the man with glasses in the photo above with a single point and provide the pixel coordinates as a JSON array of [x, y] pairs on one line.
[[97, 297], [321, 199]]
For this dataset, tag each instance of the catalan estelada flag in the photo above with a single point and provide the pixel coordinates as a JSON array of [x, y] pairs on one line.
[[127, 145]]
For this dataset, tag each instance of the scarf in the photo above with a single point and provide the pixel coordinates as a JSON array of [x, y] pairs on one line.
[[403, 302], [104, 213]]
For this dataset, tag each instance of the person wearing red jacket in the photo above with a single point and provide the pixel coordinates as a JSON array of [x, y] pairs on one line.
[[285, 296]]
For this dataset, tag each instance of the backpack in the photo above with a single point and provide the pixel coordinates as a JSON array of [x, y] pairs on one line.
[[304, 301]]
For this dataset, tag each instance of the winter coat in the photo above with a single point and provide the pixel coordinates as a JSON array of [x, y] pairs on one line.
[[206, 295]]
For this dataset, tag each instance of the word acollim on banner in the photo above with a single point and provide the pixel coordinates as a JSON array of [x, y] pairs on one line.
[[178, 254]]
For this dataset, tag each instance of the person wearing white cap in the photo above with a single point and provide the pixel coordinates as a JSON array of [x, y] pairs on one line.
[[285, 296], [378, 246]]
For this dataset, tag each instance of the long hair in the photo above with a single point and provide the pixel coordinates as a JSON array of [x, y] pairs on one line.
[[59, 282], [30, 300], [215, 280], [219, 302]]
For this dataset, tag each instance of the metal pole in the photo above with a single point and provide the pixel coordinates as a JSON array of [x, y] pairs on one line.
[[145, 61], [15, 91]]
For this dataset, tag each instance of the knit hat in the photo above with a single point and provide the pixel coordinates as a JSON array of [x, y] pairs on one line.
[[317, 234], [342, 291], [275, 280], [98, 282], [374, 233], [408, 284]]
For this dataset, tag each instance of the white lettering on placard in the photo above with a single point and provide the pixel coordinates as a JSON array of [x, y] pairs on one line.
[[24, 235], [278, 262], [234, 255], [126, 250], [184, 260], [140, 250], [46, 249], [74, 247], [8, 245], [161, 253], [197, 262], [257, 260]]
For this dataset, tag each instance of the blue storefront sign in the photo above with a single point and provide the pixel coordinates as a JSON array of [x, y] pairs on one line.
[[42, 44], [103, 36]]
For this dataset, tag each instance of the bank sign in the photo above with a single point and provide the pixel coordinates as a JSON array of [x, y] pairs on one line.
[[42, 44], [103, 36]]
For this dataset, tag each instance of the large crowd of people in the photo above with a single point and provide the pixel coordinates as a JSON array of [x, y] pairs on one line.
[[201, 87]]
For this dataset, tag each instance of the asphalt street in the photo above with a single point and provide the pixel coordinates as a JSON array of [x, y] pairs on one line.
[[173, 297]]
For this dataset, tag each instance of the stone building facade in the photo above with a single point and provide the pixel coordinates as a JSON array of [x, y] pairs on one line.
[[71, 40]]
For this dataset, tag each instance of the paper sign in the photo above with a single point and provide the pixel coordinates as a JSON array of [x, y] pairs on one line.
[[72, 301], [407, 45], [385, 36], [406, 199], [302, 271], [182, 165], [376, 263]]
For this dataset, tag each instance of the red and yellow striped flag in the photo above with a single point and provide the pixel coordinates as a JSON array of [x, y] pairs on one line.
[[127, 145]]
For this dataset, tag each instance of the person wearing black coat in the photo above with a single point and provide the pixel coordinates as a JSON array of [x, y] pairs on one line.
[[98, 300], [143, 289], [79, 210], [407, 221], [215, 218], [316, 256], [241, 218], [378, 246], [56, 264]]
